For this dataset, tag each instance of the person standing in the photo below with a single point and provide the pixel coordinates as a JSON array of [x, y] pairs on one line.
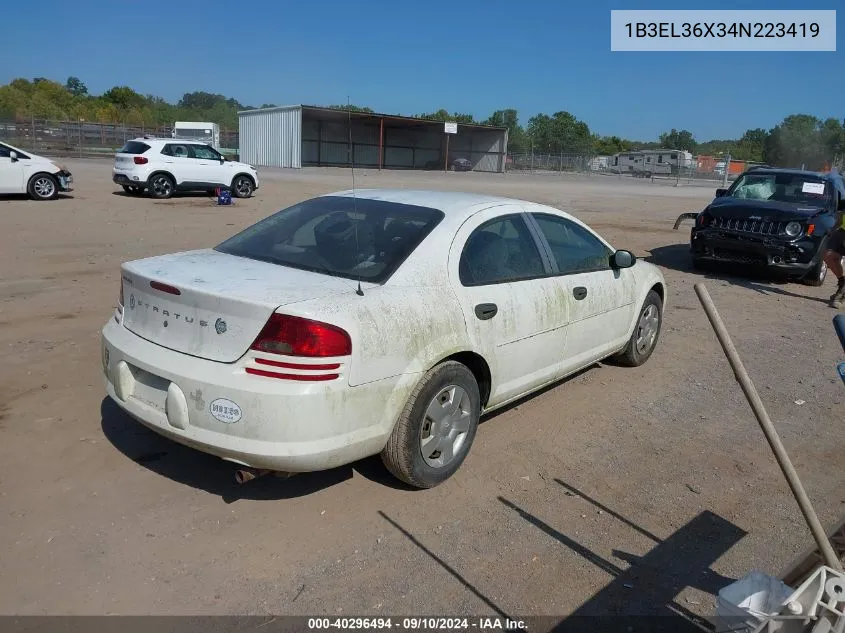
[[833, 256]]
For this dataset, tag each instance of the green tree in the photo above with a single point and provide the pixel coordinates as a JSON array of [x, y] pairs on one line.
[[561, 132], [123, 97], [802, 139], [683, 140], [75, 87]]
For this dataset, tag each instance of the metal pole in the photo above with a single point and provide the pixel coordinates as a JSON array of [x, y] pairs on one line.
[[727, 169], [769, 430], [446, 159], [381, 143]]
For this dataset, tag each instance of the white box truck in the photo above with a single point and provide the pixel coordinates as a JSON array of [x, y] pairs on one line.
[[198, 131]]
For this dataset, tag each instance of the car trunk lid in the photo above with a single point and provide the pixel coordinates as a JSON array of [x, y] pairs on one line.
[[213, 305]]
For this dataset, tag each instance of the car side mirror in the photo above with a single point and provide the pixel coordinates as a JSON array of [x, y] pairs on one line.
[[623, 259], [222, 159], [721, 192], [13, 156]]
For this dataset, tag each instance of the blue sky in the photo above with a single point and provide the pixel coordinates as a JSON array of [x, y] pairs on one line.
[[408, 57]]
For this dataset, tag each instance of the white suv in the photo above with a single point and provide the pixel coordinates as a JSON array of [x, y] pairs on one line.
[[164, 166]]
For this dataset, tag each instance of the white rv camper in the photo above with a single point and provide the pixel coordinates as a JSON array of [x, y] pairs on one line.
[[650, 162], [198, 131]]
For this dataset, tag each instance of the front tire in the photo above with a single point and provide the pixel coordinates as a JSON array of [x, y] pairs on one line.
[[646, 333], [43, 187], [242, 187], [161, 186], [817, 275], [435, 430]]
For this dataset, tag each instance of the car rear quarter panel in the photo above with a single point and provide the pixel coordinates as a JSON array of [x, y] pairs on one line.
[[394, 330]]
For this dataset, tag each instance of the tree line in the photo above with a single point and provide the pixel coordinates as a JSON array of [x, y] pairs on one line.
[[800, 139]]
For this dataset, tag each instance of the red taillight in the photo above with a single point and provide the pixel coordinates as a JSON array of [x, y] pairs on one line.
[[295, 336], [140, 160], [810, 229], [171, 290], [703, 219]]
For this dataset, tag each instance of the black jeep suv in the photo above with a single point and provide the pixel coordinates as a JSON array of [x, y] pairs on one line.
[[775, 219]]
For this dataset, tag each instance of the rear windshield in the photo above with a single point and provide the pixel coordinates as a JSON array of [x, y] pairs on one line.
[[799, 189], [133, 147], [340, 236]]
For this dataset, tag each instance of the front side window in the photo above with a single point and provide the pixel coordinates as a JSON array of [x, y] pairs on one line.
[[499, 251], [204, 152], [339, 236], [574, 248]]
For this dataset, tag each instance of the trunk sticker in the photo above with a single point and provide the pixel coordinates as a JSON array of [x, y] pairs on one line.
[[225, 411]]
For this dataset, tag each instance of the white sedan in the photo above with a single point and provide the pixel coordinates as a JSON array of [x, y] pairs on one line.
[[367, 322]]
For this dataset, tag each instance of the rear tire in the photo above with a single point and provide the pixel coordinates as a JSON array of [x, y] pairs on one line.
[[817, 275], [646, 333], [242, 187], [435, 430], [43, 187], [161, 186]]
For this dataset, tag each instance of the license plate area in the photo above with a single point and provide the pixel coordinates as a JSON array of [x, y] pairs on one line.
[[149, 389]]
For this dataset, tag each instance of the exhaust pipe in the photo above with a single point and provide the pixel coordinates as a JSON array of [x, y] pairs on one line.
[[243, 475]]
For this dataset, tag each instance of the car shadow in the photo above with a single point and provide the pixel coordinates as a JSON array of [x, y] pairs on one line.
[[677, 257], [22, 197], [176, 195], [206, 472]]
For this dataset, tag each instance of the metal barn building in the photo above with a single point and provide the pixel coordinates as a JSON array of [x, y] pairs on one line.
[[299, 135]]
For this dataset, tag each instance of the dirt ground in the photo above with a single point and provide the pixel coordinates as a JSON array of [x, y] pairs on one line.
[[620, 489]]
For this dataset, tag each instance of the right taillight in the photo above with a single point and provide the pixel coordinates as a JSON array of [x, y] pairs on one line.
[[140, 160], [702, 220], [295, 336]]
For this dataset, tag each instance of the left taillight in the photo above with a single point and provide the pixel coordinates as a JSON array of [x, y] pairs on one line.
[[295, 336], [140, 160], [702, 220]]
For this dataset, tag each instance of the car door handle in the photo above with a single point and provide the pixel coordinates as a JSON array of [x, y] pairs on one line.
[[579, 293], [486, 311]]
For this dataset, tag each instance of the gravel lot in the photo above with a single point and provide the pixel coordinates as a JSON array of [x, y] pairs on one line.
[[620, 489]]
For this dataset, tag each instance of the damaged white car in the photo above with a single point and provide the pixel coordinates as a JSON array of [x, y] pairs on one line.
[[367, 322]]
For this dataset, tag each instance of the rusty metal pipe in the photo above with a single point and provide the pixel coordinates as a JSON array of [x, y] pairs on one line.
[[243, 475], [744, 380]]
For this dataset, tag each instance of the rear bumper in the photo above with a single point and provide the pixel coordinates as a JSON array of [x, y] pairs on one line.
[[125, 179], [793, 258], [276, 424]]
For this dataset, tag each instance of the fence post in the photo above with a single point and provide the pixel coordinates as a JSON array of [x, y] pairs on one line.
[[727, 169]]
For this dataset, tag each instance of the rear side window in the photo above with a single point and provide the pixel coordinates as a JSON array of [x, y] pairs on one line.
[[338, 236], [133, 147], [500, 251]]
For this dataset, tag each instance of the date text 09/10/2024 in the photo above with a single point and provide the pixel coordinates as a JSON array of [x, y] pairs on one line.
[[481, 624]]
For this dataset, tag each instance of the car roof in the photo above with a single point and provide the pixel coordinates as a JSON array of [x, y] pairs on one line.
[[153, 140], [794, 172], [455, 204]]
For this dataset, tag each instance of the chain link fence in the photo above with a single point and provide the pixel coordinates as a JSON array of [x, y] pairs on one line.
[[685, 169], [86, 140]]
